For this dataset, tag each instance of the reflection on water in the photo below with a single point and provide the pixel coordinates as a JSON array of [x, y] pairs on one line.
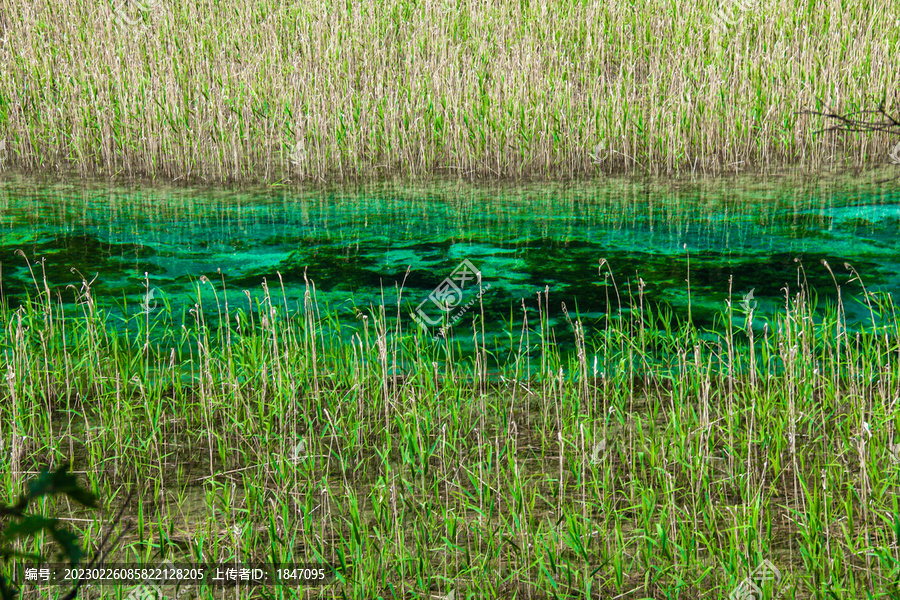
[[358, 246]]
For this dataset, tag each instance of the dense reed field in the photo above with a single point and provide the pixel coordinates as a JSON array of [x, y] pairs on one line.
[[649, 460], [269, 91]]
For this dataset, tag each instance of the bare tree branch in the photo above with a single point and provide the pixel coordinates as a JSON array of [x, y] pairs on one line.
[[862, 121], [858, 121]]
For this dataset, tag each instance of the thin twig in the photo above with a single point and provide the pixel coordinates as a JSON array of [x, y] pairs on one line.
[[857, 121]]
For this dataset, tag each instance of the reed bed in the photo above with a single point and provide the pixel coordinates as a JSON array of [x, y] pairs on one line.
[[648, 460], [268, 91]]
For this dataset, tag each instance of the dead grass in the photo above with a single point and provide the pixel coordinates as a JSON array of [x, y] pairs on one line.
[[267, 91]]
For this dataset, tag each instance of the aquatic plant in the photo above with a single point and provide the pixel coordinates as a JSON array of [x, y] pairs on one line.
[[649, 458], [272, 92]]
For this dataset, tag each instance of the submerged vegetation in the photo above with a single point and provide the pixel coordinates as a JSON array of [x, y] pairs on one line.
[[650, 459], [269, 91]]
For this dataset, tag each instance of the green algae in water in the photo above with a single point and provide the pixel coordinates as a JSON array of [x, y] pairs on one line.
[[363, 247]]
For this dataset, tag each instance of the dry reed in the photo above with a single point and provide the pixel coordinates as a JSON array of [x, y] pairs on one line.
[[280, 92]]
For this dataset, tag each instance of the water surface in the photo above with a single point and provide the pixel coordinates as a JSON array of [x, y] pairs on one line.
[[147, 248]]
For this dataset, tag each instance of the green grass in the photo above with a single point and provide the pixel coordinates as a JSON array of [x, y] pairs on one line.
[[649, 460], [268, 91]]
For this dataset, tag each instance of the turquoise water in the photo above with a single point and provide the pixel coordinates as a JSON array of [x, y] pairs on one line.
[[359, 245]]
